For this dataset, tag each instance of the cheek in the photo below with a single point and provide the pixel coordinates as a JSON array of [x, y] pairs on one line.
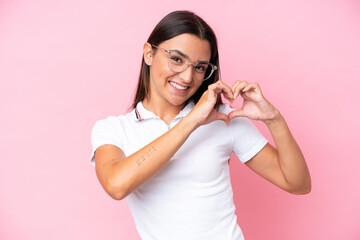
[[160, 68]]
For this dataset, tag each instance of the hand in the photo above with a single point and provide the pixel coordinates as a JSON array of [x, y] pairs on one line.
[[255, 105], [204, 112]]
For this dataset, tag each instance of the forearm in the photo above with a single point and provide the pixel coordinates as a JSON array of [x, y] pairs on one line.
[[127, 175], [290, 157]]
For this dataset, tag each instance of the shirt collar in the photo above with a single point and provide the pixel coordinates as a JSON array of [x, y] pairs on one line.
[[140, 113]]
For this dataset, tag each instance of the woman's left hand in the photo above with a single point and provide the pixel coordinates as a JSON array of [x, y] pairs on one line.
[[284, 165], [255, 105]]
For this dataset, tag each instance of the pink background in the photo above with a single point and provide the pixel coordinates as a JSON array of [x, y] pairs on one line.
[[65, 64]]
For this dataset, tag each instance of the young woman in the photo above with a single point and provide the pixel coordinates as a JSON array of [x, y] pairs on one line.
[[169, 156]]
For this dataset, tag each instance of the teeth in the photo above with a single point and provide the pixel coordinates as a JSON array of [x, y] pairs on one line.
[[177, 86]]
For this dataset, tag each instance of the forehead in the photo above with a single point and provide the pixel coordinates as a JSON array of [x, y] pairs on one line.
[[191, 45]]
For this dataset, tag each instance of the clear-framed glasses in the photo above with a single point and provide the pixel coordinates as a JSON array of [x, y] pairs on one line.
[[179, 62]]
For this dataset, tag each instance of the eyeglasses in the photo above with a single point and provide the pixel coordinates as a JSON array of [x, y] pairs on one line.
[[179, 62]]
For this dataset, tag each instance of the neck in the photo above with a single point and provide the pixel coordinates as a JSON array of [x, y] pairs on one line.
[[164, 110]]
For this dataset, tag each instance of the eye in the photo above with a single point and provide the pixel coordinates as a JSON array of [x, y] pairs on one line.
[[201, 67], [178, 60]]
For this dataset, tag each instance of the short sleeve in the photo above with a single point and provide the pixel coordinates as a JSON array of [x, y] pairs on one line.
[[104, 132], [247, 139]]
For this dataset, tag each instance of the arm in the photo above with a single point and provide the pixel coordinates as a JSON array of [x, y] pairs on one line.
[[120, 175], [284, 165]]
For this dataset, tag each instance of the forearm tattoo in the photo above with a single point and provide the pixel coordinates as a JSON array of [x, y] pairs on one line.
[[147, 154]]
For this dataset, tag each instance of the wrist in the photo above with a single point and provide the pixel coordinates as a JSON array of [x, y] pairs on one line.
[[188, 124], [274, 118]]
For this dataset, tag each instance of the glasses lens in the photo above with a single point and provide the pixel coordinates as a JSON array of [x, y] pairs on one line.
[[178, 63], [208, 72]]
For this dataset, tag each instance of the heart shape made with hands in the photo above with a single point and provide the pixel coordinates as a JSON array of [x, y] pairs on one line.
[[255, 106]]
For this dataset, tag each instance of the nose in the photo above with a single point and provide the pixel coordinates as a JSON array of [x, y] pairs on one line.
[[187, 74]]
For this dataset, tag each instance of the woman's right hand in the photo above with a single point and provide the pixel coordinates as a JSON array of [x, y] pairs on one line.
[[203, 112]]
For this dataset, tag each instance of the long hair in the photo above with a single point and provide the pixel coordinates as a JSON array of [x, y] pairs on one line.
[[172, 25]]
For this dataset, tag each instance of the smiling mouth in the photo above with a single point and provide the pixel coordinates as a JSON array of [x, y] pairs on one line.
[[178, 86]]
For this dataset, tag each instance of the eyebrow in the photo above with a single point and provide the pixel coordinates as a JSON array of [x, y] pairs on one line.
[[181, 53], [186, 56]]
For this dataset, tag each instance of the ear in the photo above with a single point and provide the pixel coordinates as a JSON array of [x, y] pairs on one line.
[[148, 53]]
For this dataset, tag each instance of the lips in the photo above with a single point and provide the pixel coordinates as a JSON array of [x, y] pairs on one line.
[[178, 86]]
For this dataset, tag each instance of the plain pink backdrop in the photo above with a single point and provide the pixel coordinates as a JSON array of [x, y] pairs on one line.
[[65, 64]]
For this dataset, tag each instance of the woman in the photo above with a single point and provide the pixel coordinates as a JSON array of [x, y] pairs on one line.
[[169, 156]]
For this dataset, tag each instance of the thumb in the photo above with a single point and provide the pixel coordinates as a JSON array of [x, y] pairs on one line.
[[221, 116], [236, 113]]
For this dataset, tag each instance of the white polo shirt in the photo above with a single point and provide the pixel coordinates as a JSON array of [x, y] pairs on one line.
[[191, 196]]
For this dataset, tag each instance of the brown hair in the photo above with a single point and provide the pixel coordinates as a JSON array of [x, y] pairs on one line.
[[172, 25]]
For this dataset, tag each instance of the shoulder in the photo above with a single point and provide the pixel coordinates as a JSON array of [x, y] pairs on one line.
[[115, 121]]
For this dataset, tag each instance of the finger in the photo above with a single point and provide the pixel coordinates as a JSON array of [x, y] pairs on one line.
[[236, 113], [233, 89], [211, 93], [228, 93], [239, 87], [236, 84], [251, 86], [220, 87]]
